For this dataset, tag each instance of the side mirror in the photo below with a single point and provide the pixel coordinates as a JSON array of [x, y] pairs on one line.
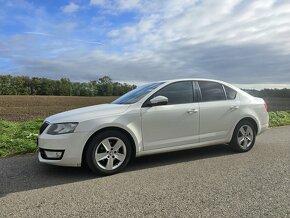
[[159, 100]]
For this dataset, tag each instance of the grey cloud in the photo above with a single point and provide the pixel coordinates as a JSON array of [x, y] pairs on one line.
[[237, 41], [251, 63], [258, 63]]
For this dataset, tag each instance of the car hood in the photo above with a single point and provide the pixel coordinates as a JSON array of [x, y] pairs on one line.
[[86, 113]]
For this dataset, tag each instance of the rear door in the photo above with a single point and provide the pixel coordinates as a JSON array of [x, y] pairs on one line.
[[218, 111], [173, 124]]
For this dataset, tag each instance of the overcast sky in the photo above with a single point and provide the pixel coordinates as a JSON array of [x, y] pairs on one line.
[[239, 41]]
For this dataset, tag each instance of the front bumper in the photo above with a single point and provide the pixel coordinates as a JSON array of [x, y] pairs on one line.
[[70, 145]]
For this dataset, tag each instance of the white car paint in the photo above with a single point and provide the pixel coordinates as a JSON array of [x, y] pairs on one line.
[[155, 129], [169, 125]]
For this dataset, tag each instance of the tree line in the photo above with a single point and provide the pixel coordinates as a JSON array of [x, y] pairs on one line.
[[24, 85], [285, 93]]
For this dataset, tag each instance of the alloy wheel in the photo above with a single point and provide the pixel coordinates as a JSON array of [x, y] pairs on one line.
[[245, 136], [110, 153]]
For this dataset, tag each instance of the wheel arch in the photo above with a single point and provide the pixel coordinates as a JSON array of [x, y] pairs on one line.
[[235, 144], [251, 120], [125, 132]]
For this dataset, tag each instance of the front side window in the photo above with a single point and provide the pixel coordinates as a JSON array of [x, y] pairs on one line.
[[231, 94], [211, 91], [137, 94], [177, 93]]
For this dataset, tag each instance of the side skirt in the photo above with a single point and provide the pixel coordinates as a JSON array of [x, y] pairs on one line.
[[180, 147]]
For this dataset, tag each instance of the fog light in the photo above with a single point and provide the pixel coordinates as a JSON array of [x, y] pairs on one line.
[[53, 154]]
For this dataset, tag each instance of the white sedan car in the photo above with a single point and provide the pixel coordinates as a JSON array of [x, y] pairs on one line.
[[154, 118]]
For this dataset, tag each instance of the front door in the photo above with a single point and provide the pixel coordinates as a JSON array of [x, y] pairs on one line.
[[174, 124]]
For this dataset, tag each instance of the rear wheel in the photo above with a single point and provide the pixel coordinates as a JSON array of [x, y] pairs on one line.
[[108, 153], [244, 137]]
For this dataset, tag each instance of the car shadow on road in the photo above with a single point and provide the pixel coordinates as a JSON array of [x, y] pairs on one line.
[[24, 173]]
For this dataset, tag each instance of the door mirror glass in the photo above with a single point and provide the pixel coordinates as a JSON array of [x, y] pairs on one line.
[[159, 100]]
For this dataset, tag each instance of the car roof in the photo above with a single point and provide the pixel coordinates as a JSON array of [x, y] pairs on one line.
[[199, 79], [190, 79]]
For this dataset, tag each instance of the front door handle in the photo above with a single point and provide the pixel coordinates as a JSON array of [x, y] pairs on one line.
[[191, 111], [235, 107]]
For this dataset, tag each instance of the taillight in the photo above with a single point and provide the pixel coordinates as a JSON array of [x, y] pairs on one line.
[[266, 106]]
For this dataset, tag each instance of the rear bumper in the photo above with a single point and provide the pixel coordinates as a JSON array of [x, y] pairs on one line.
[[263, 128]]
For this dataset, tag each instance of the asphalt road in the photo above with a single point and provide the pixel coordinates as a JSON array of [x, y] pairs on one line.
[[204, 182]]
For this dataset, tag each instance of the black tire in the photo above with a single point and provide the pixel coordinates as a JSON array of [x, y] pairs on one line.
[[97, 166], [246, 145]]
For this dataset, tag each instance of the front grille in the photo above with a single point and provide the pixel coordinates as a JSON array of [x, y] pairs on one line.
[[43, 127]]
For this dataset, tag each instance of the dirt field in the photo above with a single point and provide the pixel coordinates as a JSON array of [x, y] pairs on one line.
[[278, 104], [21, 108]]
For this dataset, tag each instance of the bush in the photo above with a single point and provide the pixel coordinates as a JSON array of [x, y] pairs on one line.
[[279, 118]]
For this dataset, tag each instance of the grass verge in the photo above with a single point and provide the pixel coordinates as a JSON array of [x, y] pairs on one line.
[[279, 118], [20, 137]]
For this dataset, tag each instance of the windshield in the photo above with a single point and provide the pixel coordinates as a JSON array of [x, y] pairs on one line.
[[136, 94]]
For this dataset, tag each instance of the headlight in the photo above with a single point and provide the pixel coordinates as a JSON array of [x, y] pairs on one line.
[[61, 128]]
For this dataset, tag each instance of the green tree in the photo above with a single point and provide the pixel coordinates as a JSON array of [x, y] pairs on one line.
[[65, 87], [5, 85], [23, 85], [105, 86]]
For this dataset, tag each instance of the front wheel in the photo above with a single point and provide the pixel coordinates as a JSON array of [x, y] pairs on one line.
[[108, 153], [244, 137]]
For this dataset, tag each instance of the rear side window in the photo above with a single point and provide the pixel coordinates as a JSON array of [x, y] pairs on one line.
[[211, 91], [177, 93], [231, 94]]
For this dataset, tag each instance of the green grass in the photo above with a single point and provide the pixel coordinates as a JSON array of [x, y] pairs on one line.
[[20, 137], [279, 118]]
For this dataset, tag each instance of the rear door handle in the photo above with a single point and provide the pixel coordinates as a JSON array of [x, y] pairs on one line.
[[235, 107], [191, 111]]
